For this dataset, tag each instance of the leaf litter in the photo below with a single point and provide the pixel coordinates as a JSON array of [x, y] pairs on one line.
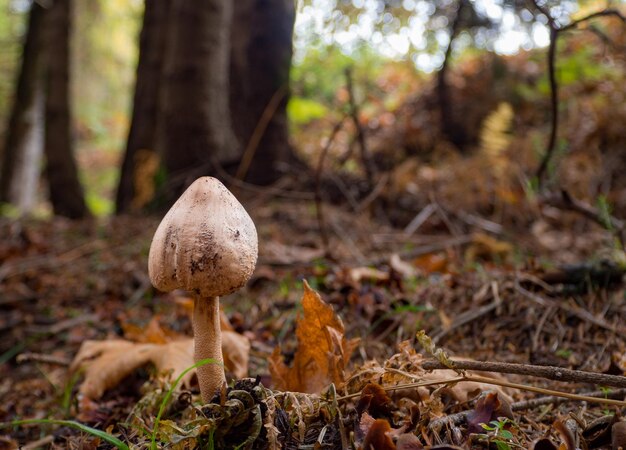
[[468, 254]]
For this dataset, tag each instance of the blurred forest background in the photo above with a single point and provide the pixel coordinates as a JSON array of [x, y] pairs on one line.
[[452, 166], [132, 94]]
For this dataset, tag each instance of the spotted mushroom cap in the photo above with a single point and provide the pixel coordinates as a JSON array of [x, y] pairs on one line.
[[206, 243]]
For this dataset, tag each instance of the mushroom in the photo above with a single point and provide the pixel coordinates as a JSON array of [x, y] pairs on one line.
[[206, 244]]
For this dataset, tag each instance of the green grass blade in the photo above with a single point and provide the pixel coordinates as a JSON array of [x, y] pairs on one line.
[[70, 423], [167, 397]]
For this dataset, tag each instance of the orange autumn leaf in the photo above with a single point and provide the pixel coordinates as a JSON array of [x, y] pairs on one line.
[[323, 351]]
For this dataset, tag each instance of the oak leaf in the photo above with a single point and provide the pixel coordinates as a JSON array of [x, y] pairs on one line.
[[323, 351], [107, 363]]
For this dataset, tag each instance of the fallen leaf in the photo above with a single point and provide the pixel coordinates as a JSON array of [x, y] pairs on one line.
[[357, 274], [432, 263], [488, 407], [618, 436], [402, 267], [487, 248], [375, 401], [323, 351], [377, 437], [236, 351], [107, 363]]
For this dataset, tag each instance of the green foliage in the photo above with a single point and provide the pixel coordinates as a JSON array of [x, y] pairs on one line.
[[303, 110], [167, 397], [72, 424], [500, 434], [12, 29]]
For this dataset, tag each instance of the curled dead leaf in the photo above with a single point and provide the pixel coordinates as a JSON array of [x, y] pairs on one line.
[[323, 351]]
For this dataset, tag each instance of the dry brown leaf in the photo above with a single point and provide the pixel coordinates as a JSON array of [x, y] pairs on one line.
[[107, 363], [153, 333], [487, 248], [323, 351]]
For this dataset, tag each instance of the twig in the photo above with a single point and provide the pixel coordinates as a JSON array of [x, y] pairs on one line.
[[13, 268], [259, 131], [419, 219], [492, 381], [565, 201], [264, 190], [59, 327], [43, 358], [583, 315], [534, 402], [368, 165], [548, 372], [465, 318], [318, 188], [603, 13]]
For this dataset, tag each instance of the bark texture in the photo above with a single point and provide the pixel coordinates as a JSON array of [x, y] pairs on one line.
[[23, 144], [141, 144], [66, 193], [194, 120], [261, 51]]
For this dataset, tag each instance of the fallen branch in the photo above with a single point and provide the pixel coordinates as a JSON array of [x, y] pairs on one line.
[[548, 372]]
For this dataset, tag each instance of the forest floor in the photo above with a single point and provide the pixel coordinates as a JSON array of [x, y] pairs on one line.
[[479, 292]]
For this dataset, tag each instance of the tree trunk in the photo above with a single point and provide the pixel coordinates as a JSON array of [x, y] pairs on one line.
[[66, 193], [141, 145], [194, 118], [449, 125], [23, 146], [261, 51]]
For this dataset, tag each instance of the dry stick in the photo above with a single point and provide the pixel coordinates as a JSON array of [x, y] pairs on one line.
[[259, 131], [573, 310], [318, 189], [567, 202], [465, 318], [272, 190], [550, 399], [548, 372], [43, 358], [492, 381], [368, 165]]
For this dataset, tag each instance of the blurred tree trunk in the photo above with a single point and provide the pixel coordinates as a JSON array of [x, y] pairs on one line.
[[66, 193], [194, 116], [261, 51], [23, 145], [449, 124], [141, 145]]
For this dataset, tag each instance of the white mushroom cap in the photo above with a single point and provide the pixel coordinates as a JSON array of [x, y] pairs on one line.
[[206, 243]]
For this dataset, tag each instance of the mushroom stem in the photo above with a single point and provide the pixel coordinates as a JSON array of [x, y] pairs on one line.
[[208, 344]]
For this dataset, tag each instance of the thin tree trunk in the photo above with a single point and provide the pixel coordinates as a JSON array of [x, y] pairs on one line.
[[449, 125], [66, 193], [143, 128], [261, 51], [194, 120], [23, 145]]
